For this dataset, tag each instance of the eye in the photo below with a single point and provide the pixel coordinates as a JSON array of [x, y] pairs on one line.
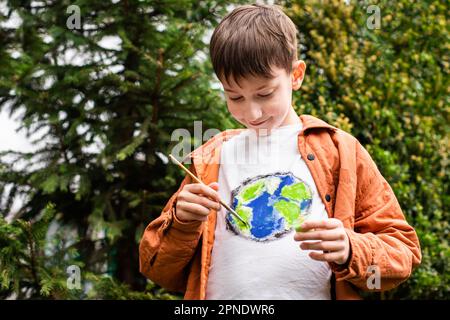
[[265, 95], [235, 99]]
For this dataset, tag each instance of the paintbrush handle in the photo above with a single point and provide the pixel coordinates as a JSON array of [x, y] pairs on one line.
[[185, 169]]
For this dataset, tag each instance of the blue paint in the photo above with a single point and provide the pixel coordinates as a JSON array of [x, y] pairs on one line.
[[267, 222]]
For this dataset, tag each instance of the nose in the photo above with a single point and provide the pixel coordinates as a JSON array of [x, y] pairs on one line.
[[253, 113]]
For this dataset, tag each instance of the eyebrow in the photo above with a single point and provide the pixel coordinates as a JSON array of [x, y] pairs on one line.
[[262, 87]]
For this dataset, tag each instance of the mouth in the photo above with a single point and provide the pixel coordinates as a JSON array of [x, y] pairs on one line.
[[257, 124]]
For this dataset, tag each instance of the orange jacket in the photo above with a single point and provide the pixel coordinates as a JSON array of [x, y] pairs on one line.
[[177, 255]]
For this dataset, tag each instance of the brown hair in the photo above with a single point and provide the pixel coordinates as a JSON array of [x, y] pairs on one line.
[[252, 39]]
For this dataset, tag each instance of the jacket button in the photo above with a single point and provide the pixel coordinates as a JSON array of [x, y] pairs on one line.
[[328, 197], [310, 156]]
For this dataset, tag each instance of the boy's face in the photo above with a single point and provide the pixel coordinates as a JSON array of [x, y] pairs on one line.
[[264, 104]]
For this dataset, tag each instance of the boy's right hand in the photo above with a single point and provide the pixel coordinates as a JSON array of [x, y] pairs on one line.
[[195, 201]]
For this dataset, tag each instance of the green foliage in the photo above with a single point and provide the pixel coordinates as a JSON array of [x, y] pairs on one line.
[[389, 87], [34, 258], [27, 270]]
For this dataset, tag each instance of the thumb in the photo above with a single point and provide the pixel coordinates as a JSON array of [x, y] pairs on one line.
[[214, 185]]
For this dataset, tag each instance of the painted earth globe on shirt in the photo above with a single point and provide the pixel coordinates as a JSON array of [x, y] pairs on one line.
[[272, 205]]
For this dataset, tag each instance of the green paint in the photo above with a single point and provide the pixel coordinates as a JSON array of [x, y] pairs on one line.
[[246, 214], [296, 191], [289, 210], [251, 192], [298, 222]]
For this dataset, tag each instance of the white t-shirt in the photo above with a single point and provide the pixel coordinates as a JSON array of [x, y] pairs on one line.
[[267, 182]]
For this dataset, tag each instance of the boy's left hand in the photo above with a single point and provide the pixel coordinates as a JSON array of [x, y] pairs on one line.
[[331, 238]]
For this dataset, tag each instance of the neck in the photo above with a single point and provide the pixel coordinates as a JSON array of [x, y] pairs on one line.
[[291, 118]]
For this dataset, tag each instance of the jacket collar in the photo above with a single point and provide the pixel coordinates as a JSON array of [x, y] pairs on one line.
[[310, 123]]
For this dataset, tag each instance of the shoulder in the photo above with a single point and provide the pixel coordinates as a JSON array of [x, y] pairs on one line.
[[326, 136], [337, 145]]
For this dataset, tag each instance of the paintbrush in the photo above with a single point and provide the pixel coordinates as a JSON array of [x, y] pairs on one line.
[[178, 163]]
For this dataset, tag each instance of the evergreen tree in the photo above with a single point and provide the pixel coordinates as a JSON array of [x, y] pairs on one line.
[[101, 115]]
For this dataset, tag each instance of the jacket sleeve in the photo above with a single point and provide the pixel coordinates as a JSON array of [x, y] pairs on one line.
[[168, 245], [382, 242]]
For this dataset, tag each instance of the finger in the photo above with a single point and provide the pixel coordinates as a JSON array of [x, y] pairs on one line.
[[328, 257], [323, 246], [207, 191], [214, 185], [192, 216], [199, 217], [324, 235], [194, 208], [321, 224], [202, 200]]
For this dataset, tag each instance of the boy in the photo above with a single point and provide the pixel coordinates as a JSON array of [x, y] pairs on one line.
[[354, 230]]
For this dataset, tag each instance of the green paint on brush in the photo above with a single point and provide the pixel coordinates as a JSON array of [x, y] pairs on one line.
[[245, 213]]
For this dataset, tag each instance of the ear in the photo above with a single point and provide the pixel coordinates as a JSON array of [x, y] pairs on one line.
[[298, 73]]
